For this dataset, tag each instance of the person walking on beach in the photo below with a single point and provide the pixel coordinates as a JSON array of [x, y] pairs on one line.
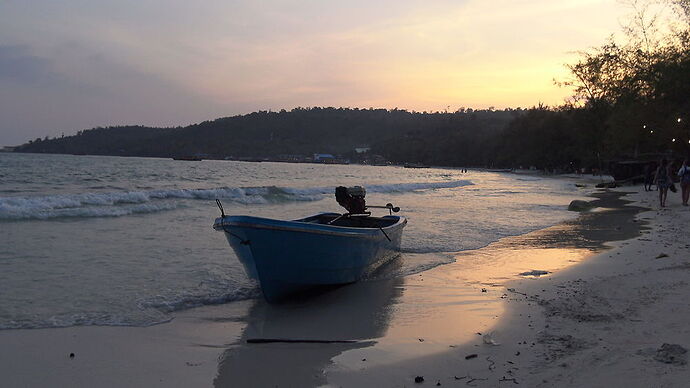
[[648, 176], [684, 174], [662, 178]]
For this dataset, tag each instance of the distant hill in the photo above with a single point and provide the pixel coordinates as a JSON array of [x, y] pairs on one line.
[[441, 138]]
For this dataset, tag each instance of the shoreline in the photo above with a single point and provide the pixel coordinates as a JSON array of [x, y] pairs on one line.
[[504, 343], [420, 325]]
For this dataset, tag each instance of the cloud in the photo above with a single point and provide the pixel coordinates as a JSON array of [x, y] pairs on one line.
[[81, 89], [167, 62], [17, 65]]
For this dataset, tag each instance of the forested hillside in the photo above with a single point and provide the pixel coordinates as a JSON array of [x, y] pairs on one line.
[[301, 131]]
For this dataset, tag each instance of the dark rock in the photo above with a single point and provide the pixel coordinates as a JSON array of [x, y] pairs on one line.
[[534, 272], [470, 356], [671, 354], [580, 206]]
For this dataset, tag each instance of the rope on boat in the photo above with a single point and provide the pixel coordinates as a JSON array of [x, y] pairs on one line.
[[384, 233], [222, 215], [220, 206], [242, 241]]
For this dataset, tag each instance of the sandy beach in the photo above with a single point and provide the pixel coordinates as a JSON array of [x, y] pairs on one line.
[[599, 301]]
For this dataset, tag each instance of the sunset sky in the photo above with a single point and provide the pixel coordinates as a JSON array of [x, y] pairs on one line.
[[75, 64]]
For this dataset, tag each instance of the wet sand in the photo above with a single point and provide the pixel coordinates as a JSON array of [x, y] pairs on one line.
[[598, 314]]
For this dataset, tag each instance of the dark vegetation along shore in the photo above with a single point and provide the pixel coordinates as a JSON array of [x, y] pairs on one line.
[[631, 99]]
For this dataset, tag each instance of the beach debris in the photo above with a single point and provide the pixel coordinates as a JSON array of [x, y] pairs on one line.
[[471, 356], [488, 339], [516, 292], [483, 289], [192, 363], [514, 380], [671, 354], [364, 359], [661, 255], [492, 364], [606, 185], [472, 380], [421, 339], [306, 341], [461, 378], [438, 383], [578, 205], [419, 379], [535, 273], [517, 353], [71, 355]]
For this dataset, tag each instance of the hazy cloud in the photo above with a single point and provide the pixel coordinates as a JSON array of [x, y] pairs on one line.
[[73, 64], [17, 65]]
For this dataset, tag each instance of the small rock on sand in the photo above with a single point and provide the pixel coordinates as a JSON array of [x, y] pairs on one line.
[[489, 340], [671, 354], [580, 206]]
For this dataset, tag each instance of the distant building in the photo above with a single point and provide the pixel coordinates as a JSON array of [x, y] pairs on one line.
[[323, 157], [7, 149], [362, 150]]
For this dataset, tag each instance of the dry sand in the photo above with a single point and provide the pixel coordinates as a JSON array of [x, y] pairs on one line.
[[600, 317]]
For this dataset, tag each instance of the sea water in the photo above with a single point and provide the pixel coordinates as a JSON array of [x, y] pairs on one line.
[[97, 240]]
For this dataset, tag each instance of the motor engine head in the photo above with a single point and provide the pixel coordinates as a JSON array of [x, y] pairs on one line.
[[351, 198]]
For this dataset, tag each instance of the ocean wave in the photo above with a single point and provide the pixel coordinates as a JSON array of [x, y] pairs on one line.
[[120, 203], [85, 319], [168, 304]]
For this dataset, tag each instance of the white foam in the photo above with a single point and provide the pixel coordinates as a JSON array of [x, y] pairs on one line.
[[114, 204], [172, 303]]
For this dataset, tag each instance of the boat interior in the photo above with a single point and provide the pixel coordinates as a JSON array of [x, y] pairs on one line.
[[351, 220]]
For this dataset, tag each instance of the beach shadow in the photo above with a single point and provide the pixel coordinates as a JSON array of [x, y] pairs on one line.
[[357, 313], [612, 220]]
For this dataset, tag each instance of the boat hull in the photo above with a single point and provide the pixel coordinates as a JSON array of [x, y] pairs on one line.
[[289, 257]]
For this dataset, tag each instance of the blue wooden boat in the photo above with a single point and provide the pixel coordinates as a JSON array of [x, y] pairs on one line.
[[289, 257]]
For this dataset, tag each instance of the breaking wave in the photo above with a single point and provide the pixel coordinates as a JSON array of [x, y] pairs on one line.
[[116, 204]]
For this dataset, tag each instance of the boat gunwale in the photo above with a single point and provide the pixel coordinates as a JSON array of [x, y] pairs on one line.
[[307, 227]]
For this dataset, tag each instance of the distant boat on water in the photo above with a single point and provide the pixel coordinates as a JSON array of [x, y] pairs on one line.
[[187, 158]]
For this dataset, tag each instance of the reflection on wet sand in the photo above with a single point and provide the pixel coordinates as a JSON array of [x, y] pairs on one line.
[[359, 312], [404, 325], [452, 307]]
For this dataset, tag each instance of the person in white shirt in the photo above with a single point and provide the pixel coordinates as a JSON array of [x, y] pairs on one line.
[[684, 174]]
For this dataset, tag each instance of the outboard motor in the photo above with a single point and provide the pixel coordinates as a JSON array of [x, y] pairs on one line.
[[351, 198]]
